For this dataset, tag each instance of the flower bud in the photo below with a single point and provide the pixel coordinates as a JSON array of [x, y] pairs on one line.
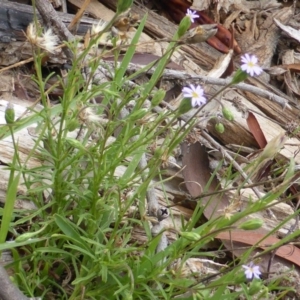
[[139, 114], [25, 236], [220, 127], [228, 115], [239, 278], [255, 287], [199, 34], [72, 125], [252, 224], [185, 106], [239, 76], [158, 97], [9, 113], [74, 143], [183, 26], [192, 236]]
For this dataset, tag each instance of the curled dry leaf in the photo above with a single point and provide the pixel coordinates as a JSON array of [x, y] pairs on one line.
[[255, 129], [221, 65], [290, 31], [223, 35], [197, 174], [276, 70]]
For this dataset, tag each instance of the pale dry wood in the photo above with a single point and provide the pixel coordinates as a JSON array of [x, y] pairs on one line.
[[159, 27], [147, 44], [25, 144]]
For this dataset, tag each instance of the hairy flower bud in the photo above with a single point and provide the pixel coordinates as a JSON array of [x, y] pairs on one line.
[[158, 97], [199, 34], [75, 143], [192, 236], [72, 125], [252, 224], [255, 287], [185, 106], [9, 113], [183, 26], [25, 236], [220, 127], [239, 76], [228, 115]]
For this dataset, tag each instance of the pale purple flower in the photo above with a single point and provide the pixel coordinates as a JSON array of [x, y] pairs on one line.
[[250, 65], [251, 271], [195, 93], [192, 14]]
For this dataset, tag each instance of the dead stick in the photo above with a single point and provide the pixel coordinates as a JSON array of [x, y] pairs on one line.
[[8, 290], [52, 20]]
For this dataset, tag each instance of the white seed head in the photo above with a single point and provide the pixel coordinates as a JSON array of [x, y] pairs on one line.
[[47, 40], [99, 27], [87, 115], [31, 33]]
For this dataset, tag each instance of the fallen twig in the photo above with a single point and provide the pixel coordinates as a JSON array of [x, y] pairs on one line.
[[179, 75], [8, 290], [52, 20]]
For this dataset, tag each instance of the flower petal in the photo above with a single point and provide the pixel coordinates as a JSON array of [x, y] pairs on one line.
[[250, 65], [192, 15]]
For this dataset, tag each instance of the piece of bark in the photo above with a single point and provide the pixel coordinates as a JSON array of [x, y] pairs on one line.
[[52, 20], [16, 17], [14, 20], [265, 44]]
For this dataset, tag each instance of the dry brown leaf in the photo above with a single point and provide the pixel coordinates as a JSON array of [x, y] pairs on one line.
[[197, 174], [276, 70], [289, 252], [255, 129]]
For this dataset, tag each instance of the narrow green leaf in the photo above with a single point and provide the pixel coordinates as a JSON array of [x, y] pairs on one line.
[[130, 170], [123, 5], [11, 245], [55, 250], [69, 230], [86, 278], [129, 54], [81, 250], [9, 207], [291, 169]]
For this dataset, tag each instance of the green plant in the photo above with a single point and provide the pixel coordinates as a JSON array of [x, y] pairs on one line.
[[80, 242]]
